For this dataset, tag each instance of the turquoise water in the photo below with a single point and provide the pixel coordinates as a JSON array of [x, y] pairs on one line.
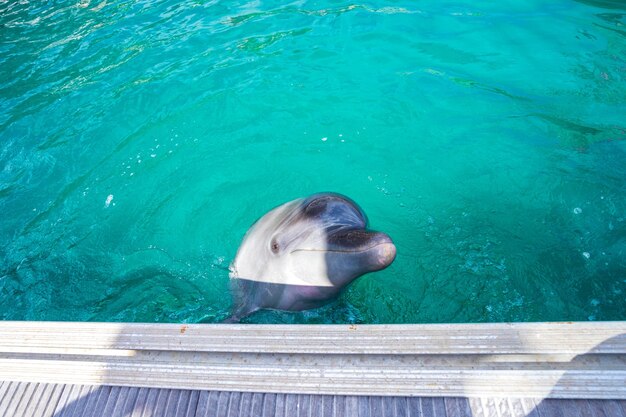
[[140, 139]]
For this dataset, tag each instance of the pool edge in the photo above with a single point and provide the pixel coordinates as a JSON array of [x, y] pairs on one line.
[[540, 360]]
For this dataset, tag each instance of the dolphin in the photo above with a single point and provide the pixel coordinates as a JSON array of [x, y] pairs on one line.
[[301, 254]]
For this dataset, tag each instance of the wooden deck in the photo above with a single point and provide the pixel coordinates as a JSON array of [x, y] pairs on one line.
[[121, 369], [22, 399]]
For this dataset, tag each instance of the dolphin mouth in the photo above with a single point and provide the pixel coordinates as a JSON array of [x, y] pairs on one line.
[[374, 257], [347, 250], [354, 241]]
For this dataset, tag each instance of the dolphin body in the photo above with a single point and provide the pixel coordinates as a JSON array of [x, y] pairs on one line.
[[301, 254]]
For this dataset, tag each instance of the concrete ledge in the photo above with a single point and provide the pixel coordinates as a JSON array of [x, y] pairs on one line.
[[557, 360]]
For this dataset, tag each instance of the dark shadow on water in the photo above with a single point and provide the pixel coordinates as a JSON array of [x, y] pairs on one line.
[[605, 4]]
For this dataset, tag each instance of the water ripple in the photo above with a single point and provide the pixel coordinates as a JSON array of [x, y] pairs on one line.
[[139, 140]]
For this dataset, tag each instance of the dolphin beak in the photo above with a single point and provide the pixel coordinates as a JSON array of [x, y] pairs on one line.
[[382, 252], [371, 250]]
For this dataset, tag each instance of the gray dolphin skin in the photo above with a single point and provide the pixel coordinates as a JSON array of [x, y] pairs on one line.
[[301, 254]]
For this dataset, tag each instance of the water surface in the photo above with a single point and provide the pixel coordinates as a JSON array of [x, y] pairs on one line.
[[140, 139]]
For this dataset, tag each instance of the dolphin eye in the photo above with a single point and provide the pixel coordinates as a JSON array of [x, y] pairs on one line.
[[274, 246]]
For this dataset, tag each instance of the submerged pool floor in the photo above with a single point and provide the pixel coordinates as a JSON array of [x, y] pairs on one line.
[[140, 140]]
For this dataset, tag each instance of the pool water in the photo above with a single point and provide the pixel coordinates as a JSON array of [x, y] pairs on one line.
[[140, 139]]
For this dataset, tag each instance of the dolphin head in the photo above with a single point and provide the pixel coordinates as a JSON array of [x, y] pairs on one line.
[[316, 246], [337, 241]]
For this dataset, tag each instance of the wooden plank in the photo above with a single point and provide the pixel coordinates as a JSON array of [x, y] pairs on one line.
[[492, 338], [205, 404], [611, 408], [291, 405], [457, 407], [245, 408], [97, 401], [4, 386], [126, 402], [26, 398], [223, 398], [40, 394], [279, 408], [75, 401], [19, 396], [427, 407], [400, 407], [376, 406], [549, 407], [11, 398], [598, 410], [414, 407], [192, 404], [352, 407], [257, 404], [304, 401], [139, 405], [175, 401], [345, 374], [269, 405], [339, 406], [112, 400], [516, 407], [363, 406], [387, 406]]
